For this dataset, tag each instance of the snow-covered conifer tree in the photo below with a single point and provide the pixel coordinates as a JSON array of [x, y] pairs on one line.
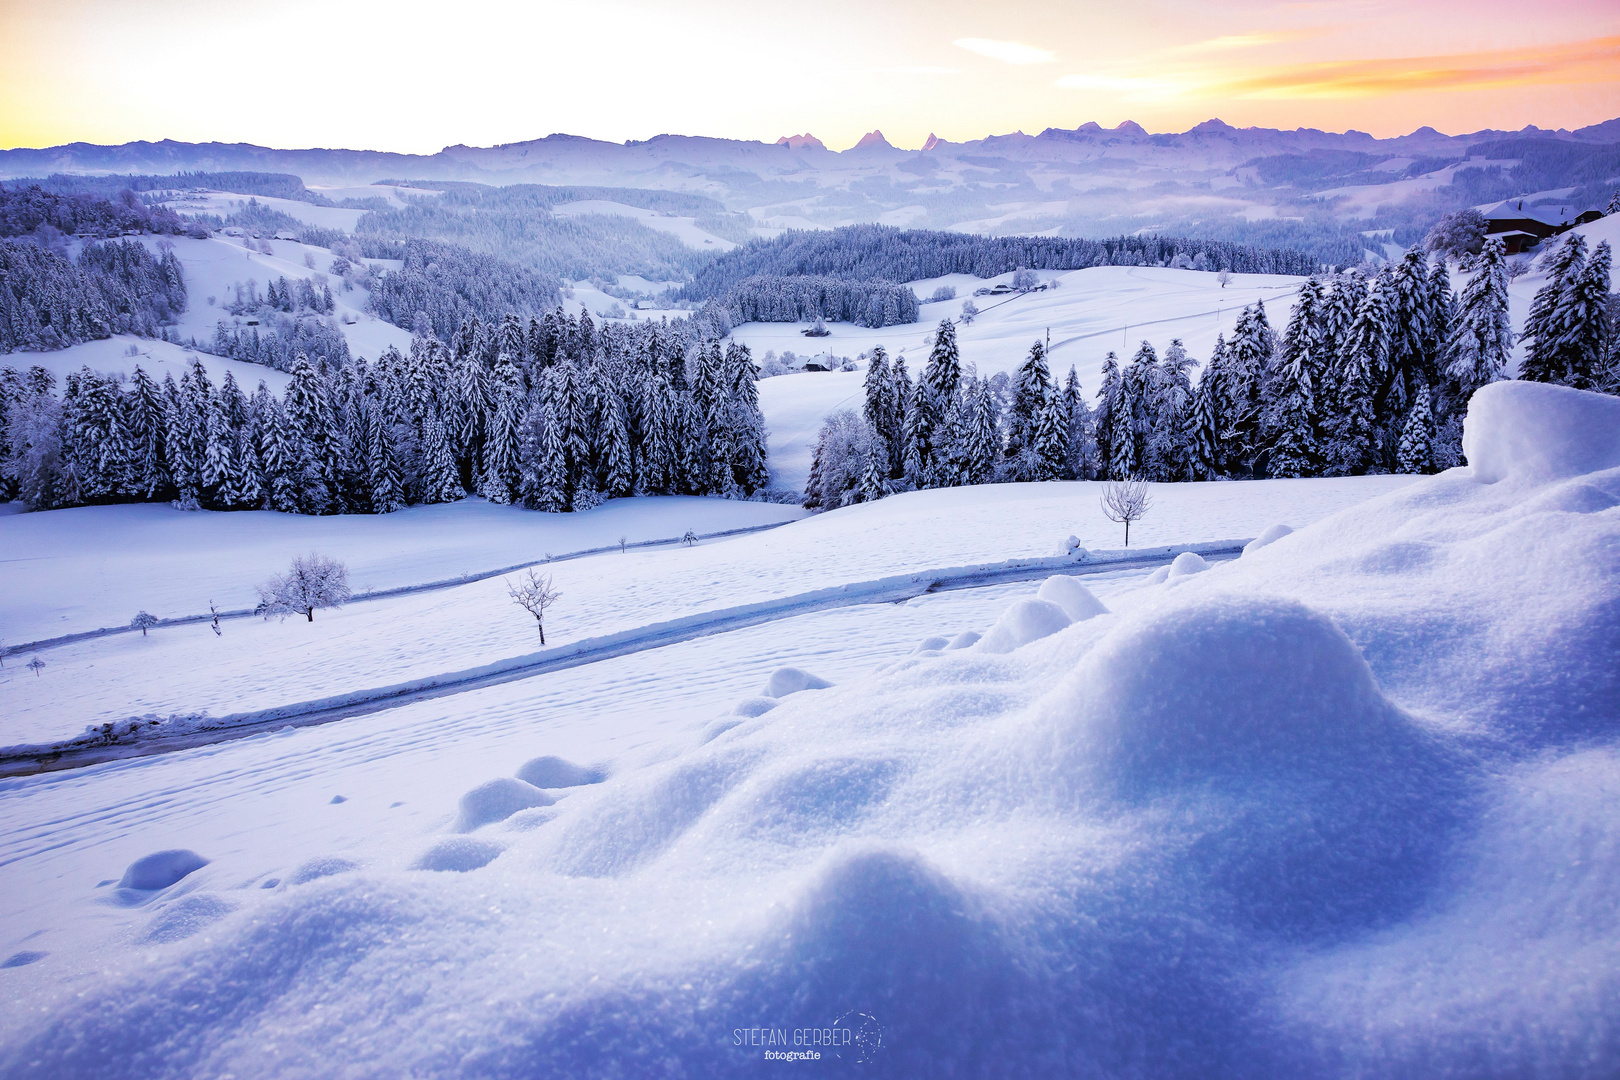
[[1415, 454], [1544, 333], [1482, 339], [1294, 419]]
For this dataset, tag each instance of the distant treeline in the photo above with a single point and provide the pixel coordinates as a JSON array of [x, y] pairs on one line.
[[881, 253], [770, 298], [34, 211], [263, 184], [119, 287]]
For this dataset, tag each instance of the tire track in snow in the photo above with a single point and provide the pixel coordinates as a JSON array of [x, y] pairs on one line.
[[83, 750]]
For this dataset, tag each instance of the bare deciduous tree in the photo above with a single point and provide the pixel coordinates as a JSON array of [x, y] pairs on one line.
[[313, 581], [534, 594], [1125, 501], [143, 622], [36, 665]]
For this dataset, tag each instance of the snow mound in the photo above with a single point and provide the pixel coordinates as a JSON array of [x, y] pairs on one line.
[[1271, 535], [1186, 564], [497, 800], [1024, 621], [555, 772], [931, 644], [1074, 598], [791, 680], [458, 855], [161, 869], [1159, 576], [1539, 432], [1265, 703], [185, 917], [755, 706], [1574, 497], [315, 869], [965, 640]]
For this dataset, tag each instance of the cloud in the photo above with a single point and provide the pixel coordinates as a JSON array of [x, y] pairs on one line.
[[1244, 41], [1008, 52], [1596, 60]]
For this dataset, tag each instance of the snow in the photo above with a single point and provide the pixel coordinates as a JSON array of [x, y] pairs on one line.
[[684, 229], [69, 571], [171, 564], [223, 204], [791, 680], [1070, 594], [1347, 805], [1540, 431], [1093, 311], [213, 267], [161, 869], [157, 358], [498, 800], [1023, 622]]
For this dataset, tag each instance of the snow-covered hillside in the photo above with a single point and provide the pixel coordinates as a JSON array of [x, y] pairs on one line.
[[1343, 806]]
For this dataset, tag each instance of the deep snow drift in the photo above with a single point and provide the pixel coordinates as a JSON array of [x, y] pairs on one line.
[[1349, 805]]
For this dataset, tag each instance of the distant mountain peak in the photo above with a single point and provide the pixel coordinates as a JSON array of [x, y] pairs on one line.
[[1130, 127], [873, 138], [1213, 124], [800, 142], [933, 141]]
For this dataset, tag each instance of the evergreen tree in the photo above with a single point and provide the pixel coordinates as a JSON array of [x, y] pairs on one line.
[[978, 445], [1109, 404], [1031, 388], [1544, 326], [1293, 418], [1051, 449], [927, 430], [148, 475], [1583, 323], [1362, 366], [1242, 384], [441, 479], [1482, 340], [1417, 436], [386, 491]]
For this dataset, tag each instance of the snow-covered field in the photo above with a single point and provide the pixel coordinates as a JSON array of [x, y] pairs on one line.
[[173, 564], [1344, 806]]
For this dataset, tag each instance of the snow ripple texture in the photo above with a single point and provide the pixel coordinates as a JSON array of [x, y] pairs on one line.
[[1347, 806]]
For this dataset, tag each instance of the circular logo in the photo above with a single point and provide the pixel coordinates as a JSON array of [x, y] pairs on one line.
[[865, 1039]]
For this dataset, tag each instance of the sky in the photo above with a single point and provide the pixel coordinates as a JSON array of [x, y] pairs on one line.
[[414, 76]]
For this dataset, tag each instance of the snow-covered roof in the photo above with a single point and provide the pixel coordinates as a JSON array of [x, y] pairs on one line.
[[1547, 214]]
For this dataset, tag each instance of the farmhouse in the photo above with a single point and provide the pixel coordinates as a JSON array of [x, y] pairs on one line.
[[1521, 227]]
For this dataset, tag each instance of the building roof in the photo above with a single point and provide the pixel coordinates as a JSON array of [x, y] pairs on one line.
[[1552, 214]]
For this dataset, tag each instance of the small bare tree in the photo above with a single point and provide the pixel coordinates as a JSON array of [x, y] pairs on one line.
[[690, 538], [36, 665], [214, 611], [313, 581], [143, 622], [534, 594], [1125, 501], [1224, 278]]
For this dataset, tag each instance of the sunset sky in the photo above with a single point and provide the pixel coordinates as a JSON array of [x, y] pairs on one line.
[[414, 76]]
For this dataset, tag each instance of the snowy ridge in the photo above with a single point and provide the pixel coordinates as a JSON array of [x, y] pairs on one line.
[[142, 736], [385, 594]]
